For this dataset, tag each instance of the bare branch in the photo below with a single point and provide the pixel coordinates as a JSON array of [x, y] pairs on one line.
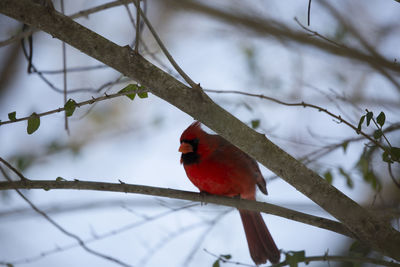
[[79, 104], [137, 26], [353, 259], [277, 30], [164, 49], [61, 229], [64, 61], [328, 258], [102, 236], [371, 49], [20, 175], [301, 104], [184, 195]]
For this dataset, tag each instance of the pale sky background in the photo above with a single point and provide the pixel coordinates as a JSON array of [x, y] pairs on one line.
[[137, 141]]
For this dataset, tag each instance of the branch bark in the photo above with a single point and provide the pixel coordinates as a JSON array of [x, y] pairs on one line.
[[364, 226], [184, 195]]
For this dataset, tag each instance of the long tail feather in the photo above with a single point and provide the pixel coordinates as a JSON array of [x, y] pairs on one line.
[[261, 245]]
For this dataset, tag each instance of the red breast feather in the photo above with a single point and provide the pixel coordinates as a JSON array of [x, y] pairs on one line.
[[219, 167]]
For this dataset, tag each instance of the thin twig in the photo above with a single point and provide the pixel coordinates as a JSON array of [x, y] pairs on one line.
[[392, 176], [20, 175], [168, 238], [74, 69], [273, 28], [354, 259], [32, 69], [99, 237], [308, 13], [79, 104], [137, 26], [380, 128], [301, 104], [61, 229], [314, 33], [222, 259], [165, 50], [356, 33], [203, 236], [64, 60]]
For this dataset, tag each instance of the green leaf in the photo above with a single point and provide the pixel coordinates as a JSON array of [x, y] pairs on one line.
[[23, 161], [381, 119], [349, 181], [70, 107], [386, 157], [216, 263], [328, 177], [130, 88], [378, 134], [143, 95], [60, 179], [395, 151], [362, 164], [226, 256], [369, 117], [360, 123], [12, 115], [344, 145], [294, 257], [33, 123], [373, 180], [255, 124]]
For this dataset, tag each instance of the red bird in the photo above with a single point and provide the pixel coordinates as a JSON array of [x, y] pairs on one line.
[[217, 167]]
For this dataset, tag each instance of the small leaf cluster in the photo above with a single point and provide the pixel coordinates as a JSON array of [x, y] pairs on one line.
[[369, 116], [329, 177], [364, 166], [33, 121], [133, 89], [294, 257], [391, 154], [255, 124], [221, 258]]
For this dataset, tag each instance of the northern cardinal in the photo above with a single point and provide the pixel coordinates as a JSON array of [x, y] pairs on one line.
[[217, 167]]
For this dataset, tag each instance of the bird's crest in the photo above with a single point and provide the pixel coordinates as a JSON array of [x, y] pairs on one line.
[[193, 131]]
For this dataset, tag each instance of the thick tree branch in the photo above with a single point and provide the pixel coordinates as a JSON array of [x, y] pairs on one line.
[[367, 228], [184, 195]]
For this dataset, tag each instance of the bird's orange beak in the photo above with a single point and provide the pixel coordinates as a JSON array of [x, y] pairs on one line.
[[185, 148]]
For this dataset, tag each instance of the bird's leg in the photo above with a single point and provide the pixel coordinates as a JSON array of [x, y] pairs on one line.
[[203, 194], [237, 196]]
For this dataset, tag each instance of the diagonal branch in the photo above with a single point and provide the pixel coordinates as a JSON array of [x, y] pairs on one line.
[[365, 227], [164, 49]]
